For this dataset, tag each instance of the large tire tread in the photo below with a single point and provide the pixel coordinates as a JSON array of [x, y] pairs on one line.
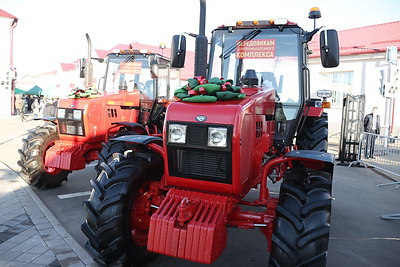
[[302, 222], [111, 147], [108, 209], [31, 162]]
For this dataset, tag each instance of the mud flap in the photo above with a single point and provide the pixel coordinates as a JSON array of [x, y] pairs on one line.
[[190, 225]]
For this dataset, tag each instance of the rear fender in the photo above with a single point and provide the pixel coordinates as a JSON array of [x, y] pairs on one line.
[[313, 108]]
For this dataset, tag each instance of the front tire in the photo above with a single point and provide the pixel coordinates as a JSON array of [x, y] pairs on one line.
[[111, 147], [32, 157], [302, 222], [119, 209]]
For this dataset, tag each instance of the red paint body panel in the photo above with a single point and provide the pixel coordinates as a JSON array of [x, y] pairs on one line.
[[313, 111], [100, 112], [248, 145], [202, 239], [72, 152]]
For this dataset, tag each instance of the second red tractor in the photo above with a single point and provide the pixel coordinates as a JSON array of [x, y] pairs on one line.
[[135, 92]]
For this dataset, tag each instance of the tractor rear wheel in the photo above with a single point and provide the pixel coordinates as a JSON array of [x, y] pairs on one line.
[[302, 221], [314, 134], [32, 157], [120, 207]]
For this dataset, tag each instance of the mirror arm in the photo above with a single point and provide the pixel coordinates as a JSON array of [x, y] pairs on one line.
[[310, 35]]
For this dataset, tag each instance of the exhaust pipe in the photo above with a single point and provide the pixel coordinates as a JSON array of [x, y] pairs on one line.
[[89, 64], [200, 61]]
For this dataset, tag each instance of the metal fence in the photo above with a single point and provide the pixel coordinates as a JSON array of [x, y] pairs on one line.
[[381, 152]]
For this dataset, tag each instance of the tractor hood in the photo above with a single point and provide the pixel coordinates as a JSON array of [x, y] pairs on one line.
[[203, 140], [225, 111]]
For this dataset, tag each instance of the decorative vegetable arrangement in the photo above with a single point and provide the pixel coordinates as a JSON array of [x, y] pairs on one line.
[[199, 90]]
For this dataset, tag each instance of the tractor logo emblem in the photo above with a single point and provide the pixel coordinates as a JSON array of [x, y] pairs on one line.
[[201, 118], [71, 106]]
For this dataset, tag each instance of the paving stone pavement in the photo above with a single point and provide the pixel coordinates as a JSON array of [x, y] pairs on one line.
[[30, 235]]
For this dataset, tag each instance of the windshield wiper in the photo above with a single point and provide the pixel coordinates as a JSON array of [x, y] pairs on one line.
[[245, 37]]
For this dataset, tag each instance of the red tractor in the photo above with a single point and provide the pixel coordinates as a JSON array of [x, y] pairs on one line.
[[135, 92], [178, 194]]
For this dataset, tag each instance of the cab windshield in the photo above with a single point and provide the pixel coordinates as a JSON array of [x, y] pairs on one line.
[[272, 54], [133, 72]]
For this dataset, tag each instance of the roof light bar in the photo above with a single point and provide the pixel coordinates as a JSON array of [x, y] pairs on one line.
[[280, 21]]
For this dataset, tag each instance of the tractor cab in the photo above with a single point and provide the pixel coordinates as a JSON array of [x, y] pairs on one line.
[[129, 70], [270, 55], [265, 56], [141, 71]]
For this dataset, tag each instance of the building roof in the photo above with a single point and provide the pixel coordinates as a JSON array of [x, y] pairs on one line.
[[6, 14], [186, 72], [364, 40], [68, 66]]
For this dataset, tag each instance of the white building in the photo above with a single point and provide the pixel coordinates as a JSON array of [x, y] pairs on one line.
[[363, 70], [7, 74]]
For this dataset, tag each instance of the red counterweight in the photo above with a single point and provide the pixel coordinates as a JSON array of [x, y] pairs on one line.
[[190, 225]]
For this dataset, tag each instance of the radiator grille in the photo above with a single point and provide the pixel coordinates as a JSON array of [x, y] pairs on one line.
[[198, 161], [198, 164]]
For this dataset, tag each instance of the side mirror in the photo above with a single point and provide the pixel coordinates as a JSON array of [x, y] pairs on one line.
[[329, 48], [178, 51]]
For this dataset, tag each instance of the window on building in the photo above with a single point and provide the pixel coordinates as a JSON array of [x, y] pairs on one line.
[[339, 83]]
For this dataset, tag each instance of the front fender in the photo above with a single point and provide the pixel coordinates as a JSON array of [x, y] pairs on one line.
[[134, 126], [154, 143], [311, 154], [48, 119], [139, 139]]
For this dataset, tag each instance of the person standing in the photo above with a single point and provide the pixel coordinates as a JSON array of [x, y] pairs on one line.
[[21, 108], [371, 125], [35, 107]]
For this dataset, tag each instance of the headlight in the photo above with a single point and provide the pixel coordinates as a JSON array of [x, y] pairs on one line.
[[61, 113], [77, 115], [217, 137], [177, 133]]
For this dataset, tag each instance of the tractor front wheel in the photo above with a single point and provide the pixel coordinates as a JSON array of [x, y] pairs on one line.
[[111, 147], [32, 157], [120, 207], [302, 221]]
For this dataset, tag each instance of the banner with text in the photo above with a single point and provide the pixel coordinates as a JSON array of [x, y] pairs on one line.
[[262, 48], [131, 67]]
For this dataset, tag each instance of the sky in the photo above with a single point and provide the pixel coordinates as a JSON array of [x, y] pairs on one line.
[[50, 32]]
